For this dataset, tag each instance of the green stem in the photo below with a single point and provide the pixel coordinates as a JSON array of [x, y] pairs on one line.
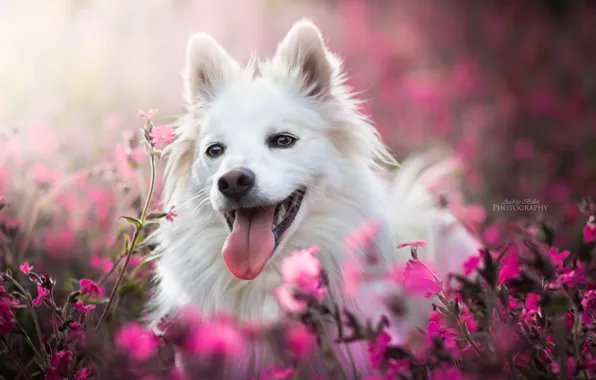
[[37, 356], [107, 275], [16, 359], [468, 336], [35, 321], [132, 247]]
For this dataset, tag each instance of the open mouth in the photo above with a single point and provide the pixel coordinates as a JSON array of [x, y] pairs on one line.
[[255, 233], [283, 214]]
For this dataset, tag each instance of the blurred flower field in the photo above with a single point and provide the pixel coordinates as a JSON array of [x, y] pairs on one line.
[[510, 88]]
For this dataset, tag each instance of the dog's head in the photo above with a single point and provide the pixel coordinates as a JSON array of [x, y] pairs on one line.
[[261, 139]]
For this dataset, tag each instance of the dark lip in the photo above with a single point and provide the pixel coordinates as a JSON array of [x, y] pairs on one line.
[[296, 198]]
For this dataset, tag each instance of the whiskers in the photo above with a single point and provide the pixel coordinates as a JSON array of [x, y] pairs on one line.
[[198, 202]]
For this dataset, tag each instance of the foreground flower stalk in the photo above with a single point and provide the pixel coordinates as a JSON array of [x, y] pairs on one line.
[[138, 224]]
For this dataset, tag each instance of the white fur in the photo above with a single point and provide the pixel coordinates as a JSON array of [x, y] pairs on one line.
[[338, 157]]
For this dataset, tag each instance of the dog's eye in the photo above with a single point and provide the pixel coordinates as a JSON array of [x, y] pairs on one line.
[[214, 150], [283, 140]]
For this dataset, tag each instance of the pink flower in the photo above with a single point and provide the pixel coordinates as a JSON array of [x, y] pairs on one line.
[[102, 263], [137, 341], [273, 373], [416, 244], [510, 268], [363, 237], [83, 374], [491, 235], [41, 294], [439, 329], [43, 174], [351, 275], [300, 341], [302, 268], [590, 232], [570, 277], [80, 306], [376, 349], [91, 288], [7, 320], [26, 268], [513, 303], [558, 257], [171, 214], [217, 337], [571, 367], [61, 359], [468, 319], [284, 294], [147, 115], [416, 278], [471, 265], [54, 374], [75, 333], [589, 304], [162, 136], [533, 302]]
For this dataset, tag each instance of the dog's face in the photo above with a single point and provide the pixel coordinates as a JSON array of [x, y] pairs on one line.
[[261, 146]]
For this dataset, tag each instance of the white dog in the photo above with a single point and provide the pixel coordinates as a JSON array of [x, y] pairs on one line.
[[274, 157]]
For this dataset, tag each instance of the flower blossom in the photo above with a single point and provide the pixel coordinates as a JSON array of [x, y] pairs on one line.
[[91, 288], [147, 115], [171, 214], [416, 278], [137, 341], [41, 294], [590, 232], [162, 136], [26, 268], [80, 306], [376, 349]]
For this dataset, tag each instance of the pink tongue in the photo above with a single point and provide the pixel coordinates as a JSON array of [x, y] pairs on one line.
[[251, 242]]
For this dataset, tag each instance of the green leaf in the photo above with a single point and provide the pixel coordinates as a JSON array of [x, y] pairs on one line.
[[97, 301], [134, 221], [560, 304], [156, 215], [132, 163], [130, 288], [126, 243], [443, 299]]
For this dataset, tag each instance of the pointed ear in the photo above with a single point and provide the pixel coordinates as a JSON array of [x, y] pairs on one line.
[[303, 49], [208, 66]]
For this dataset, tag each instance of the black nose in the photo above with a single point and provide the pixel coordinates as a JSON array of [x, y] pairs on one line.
[[236, 183]]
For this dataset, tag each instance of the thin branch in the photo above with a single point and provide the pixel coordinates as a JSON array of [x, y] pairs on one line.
[[133, 243], [16, 359]]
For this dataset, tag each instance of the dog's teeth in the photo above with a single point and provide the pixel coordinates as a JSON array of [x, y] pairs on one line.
[[281, 214]]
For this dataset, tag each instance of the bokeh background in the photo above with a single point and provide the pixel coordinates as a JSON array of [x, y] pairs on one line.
[[510, 86]]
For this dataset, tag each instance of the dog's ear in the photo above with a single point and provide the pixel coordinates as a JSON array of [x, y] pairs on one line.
[[303, 49], [208, 65]]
